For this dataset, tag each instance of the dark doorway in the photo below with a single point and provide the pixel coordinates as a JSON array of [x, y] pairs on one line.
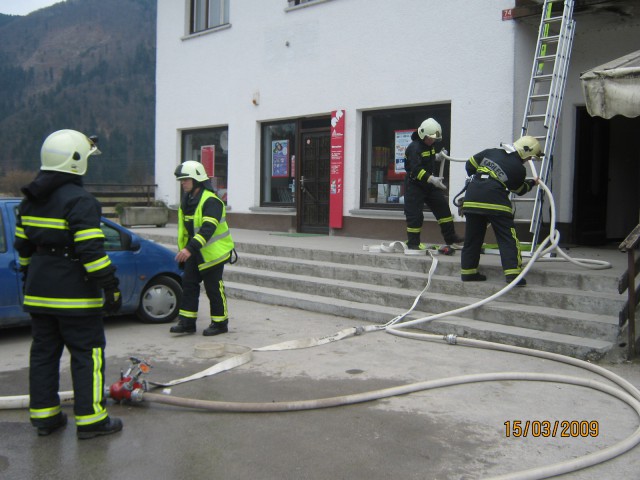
[[606, 201], [313, 205]]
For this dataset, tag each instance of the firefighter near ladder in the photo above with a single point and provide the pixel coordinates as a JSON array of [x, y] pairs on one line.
[[66, 272], [495, 173], [423, 186]]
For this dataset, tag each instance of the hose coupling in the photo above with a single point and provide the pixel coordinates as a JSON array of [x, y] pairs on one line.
[[451, 339], [359, 330], [137, 394]]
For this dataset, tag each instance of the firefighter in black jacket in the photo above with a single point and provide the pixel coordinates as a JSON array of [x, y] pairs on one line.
[[422, 186], [495, 173], [66, 271]]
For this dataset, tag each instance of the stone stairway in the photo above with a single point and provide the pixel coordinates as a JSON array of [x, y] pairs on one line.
[[562, 310]]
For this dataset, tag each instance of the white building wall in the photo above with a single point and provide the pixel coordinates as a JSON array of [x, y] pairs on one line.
[[340, 54]]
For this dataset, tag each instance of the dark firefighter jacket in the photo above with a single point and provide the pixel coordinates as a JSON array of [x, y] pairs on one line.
[[203, 229], [495, 173], [60, 243], [419, 160]]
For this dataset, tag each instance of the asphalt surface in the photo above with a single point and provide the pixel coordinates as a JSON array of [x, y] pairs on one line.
[[458, 432]]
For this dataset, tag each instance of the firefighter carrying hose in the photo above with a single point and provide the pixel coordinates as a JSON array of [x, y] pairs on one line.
[[66, 271], [423, 186], [494, 173], [205, 245]]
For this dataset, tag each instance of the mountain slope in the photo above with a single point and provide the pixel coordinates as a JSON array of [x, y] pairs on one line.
[[87, 65]]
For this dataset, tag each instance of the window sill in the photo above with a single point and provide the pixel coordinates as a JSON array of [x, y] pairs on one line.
[[305, 5], [206, 32], [388, 214], [273, 210]]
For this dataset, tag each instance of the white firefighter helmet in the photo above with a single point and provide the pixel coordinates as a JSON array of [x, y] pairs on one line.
[[430, 128], [67, 151], [528, 147], [191, 169]]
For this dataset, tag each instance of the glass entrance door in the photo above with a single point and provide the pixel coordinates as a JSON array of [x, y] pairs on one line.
[[313, 208]]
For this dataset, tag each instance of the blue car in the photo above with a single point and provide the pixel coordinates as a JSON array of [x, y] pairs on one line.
[[150, 280]]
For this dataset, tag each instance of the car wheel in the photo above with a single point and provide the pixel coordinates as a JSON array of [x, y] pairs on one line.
[[160, 301]]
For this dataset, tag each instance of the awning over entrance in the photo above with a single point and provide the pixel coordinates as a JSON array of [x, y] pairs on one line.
[[613, 88]]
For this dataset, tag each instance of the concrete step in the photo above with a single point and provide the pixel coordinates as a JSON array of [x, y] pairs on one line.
[[564, 309], [550, 272], [508, 311], [575, 300], [575, 346]]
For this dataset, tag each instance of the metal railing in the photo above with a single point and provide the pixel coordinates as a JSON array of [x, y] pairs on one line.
[[627, 282]]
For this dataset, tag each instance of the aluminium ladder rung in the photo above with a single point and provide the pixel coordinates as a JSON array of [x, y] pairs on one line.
[[550, 39], [553, 19]]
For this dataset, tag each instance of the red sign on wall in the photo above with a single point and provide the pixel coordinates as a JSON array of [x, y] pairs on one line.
[[336, 192], [208, 159]]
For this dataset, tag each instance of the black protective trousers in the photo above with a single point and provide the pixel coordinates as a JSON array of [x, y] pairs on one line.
[[213, 285], [505, 232], [415, 197], [84, 338]]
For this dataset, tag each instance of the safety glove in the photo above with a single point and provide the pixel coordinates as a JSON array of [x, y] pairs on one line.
[[440, 156], [112, 300], [437, 182], [112, 294]]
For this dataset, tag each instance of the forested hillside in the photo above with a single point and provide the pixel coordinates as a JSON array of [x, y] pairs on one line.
[[88, 65]]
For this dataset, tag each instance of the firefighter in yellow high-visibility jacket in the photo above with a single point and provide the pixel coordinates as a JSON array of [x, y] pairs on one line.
[[205, 245]]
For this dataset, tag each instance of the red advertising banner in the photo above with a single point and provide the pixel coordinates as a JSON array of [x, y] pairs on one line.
[[208, 159], [336, 192]]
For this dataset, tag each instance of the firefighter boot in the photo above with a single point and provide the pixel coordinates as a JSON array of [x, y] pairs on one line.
[[56, 422], [109, 426], [511, 278], [216, 328], [184, 326], [473, 277], [413, 241]]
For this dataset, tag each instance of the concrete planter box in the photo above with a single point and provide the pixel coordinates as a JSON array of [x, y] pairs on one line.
[[158, 216]]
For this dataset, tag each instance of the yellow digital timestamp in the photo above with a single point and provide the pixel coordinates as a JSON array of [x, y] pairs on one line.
[[552, 428]]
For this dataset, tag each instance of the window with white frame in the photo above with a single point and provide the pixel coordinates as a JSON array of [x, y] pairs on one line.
[[208, 14]]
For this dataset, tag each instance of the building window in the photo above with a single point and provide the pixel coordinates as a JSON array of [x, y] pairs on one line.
[[386, 133], [209, 147], [208, 14], [278, 164]]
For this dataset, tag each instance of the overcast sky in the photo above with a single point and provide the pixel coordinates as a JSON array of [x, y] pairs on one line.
[[24, 7]]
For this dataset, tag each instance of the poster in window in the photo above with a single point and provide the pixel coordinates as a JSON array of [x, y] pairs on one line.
[[208, 159], [280, 158], [403, 139]]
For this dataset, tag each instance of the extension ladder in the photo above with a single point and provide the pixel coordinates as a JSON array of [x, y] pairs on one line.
[[544, 102]]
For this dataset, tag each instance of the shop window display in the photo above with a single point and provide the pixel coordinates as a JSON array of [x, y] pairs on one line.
[[386, 135]]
